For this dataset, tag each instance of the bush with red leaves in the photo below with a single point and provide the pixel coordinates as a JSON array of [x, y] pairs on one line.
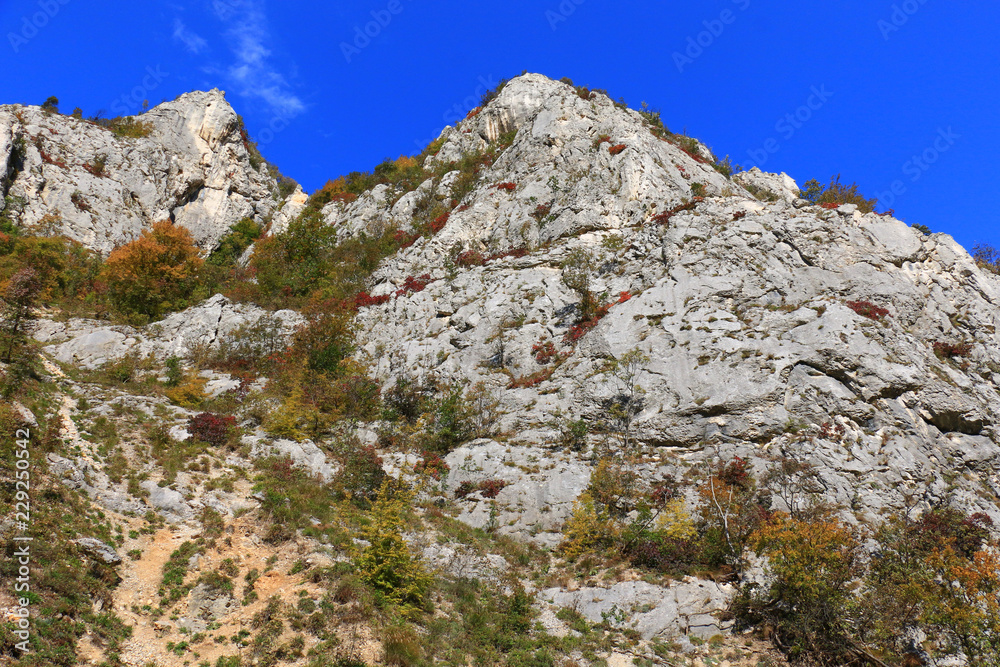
[[532, 380], [663, 218], [602, 139], [673, 556], [364, 300], [344, 197], [507, 187], [211, 428], [544, 352], [739, 215], [438, 223], [404, 240], [868, 309], [738, 472], [472, 114], [624, 296], [413, 285], [615, 150], [541, 212], [470, 258], [432, 465], [516, 252], [361, 474], [488, 488], [950, 350], [831, 205]]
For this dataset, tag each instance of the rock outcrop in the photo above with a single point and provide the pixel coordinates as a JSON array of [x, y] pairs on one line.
[[75, 177], [751, 313]]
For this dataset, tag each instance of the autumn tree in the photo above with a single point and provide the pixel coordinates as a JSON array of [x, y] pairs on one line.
[[155, 273], [809, 602], [19, 300]]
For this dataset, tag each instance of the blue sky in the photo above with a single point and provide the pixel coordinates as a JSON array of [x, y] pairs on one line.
[[894, 95]]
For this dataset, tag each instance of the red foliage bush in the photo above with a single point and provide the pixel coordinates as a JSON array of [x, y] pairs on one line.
[[739, 215], [438, 223], [404, 240], [544, 352], [361, 474], [413, 285], [507, 187], [364, 300], [345, 197], [470, 258], [604, 138], [663, 218], [472, 114], [615, 150], [48, 159], [433, 465], [949, 350], [532, 380], [541, 211], [516, 252], [488, 488], [868, 309], [831, 205], [211, 428], [624, 296]]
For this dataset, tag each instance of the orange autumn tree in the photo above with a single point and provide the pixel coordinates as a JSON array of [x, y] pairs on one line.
[[155, 273]]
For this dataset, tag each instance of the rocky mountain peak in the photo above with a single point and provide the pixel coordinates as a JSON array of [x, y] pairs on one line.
[[101, 183]]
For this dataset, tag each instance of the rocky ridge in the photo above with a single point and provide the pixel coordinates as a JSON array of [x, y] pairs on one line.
[[62, 174], [743, 302]]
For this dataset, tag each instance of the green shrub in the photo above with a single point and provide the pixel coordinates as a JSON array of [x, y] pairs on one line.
[[837, 193], [241, 235], [387, 564]]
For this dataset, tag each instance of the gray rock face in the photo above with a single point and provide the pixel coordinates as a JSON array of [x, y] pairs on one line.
[[685, 608], [99, 550], [90, 344], [303, 454], [84, 475], [538, 494], [170, 503], [193, 169], [742, 306], [205, 605]]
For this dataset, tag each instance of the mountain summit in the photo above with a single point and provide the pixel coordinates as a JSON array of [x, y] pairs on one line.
[[561, 389]]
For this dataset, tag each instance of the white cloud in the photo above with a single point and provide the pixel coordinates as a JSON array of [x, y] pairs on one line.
[[191, 41], [253, 72]]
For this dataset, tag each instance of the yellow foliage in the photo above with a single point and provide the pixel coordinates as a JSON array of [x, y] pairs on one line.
[[190, 393], [289, 419], [405, 162], [155, 272], [587, 528], [812, 561], [675, 522], [386, 564]]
